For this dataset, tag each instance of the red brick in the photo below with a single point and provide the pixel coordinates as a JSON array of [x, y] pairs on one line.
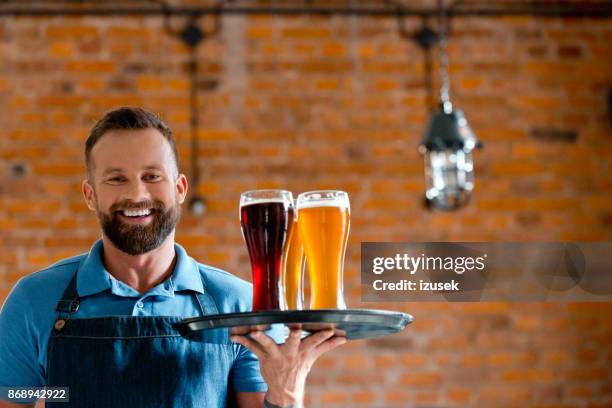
[[33, 134], [459, 395], [179, 85], [149, 83], [61, 49], [87, 66], [500, 359], [334, 397], [486, 308], [397, 395], [411, 359], [470, 83], [426, 397], [218, 134], [63, 170], [123, 32], [74, 242], [529, 375], [72, 32], [17, 206], [334, 49], [587, 374], [260, 32], [314, 33], [363, 397], [421, 379], [326, 362], [517, 169], [190, 241], [587, 355], [356, 362]]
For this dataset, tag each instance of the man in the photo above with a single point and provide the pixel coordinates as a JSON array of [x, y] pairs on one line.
[[101, 323]]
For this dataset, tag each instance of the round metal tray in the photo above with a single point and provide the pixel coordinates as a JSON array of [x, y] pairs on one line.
[[351, 323]]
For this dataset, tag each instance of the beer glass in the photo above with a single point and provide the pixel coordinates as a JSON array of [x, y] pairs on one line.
[[323, 224], [293, 268], [265, 218]]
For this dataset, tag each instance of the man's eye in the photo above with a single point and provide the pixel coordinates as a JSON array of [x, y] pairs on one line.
[[152, 177], [116, 179]]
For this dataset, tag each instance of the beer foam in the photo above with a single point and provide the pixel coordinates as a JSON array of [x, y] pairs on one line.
[[325, 203]]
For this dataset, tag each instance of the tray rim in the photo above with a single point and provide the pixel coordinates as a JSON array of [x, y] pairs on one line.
[[285, 317]]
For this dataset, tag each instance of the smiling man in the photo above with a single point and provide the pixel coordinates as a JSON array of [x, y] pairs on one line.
[[101, 323]]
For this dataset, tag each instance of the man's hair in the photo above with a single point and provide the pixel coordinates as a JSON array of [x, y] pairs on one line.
[[126, 118]]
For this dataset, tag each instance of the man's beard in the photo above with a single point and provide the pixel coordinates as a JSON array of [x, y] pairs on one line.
[[136, 239]]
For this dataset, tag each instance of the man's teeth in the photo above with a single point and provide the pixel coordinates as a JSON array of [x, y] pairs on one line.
[[136, 213]]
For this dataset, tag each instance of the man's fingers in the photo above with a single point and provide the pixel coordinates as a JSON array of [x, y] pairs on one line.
[[328, 346], [265, 342], [250, 344], [314, 340], [293, 340]]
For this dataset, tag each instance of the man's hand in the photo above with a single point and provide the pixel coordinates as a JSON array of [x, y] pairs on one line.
[[285, 367]]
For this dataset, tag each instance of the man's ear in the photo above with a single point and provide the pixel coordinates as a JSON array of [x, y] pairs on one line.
[[89, 195], [181, 187]]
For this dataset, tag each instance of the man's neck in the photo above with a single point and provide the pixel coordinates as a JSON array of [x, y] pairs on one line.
[[140, 272]]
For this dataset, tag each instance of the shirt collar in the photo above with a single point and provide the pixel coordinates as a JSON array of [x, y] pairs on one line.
[[186, 274], [94, 278]]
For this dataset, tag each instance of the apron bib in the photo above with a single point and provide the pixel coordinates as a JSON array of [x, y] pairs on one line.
[[137, 361]]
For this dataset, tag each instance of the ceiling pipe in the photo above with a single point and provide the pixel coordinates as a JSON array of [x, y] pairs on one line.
[[390, 9]]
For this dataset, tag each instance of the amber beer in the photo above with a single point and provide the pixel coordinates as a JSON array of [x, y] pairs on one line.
[[293, 267], [323, 224]]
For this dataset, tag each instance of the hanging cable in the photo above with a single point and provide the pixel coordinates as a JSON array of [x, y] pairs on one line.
[[194, 122], [442, 43]]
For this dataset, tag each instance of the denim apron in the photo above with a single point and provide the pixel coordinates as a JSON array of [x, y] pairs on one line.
[[137, 361]]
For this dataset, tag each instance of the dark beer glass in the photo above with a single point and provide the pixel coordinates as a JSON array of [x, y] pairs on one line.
[[265, 219]]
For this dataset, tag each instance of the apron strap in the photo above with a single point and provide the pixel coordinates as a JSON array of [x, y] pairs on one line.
[[205, 300], [69, 303], [207, 304]]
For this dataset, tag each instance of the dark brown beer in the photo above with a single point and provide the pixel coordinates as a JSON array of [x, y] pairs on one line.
[[264, 226]]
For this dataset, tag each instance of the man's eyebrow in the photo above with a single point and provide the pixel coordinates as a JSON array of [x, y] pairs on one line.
[[119, 169], [112, 170], [154, 167]]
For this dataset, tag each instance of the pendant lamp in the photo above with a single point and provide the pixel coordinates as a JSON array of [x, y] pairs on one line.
[[448, 144]]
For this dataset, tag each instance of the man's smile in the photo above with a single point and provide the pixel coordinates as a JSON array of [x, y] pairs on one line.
[[139, 216]]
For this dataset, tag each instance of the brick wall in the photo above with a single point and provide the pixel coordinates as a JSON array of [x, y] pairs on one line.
[[305, 103]]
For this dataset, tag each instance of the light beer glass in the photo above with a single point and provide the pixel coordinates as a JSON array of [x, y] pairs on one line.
[[293, 268], [323, 224], [265, 219]]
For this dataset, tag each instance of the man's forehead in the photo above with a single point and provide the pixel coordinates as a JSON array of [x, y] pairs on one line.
[[128, 149], [131, 138]]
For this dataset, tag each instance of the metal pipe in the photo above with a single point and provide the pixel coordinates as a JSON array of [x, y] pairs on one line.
[[598, 11]]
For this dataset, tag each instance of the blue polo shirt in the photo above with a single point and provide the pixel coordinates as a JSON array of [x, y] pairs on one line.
[[28, 314]]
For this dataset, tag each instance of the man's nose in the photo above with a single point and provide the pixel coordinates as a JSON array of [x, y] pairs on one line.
[[137, 192]]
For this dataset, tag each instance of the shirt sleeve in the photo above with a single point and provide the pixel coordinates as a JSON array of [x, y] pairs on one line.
[[245, 374], [18, 345]]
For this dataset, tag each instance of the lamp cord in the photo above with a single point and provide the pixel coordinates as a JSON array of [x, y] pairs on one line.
[[194, 122], [444, 76]]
